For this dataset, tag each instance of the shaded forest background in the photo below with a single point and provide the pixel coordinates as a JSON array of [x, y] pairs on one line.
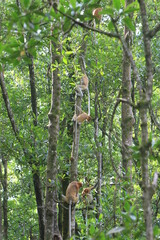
[[46, 47]]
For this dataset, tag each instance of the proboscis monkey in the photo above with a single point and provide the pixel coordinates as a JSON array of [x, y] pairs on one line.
[[72, 192], [87, 195], [72, 197], [81, 118], [84, 86], [96, 14]]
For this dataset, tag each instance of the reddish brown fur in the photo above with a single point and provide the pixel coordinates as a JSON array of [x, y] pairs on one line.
[[96, 14], [87, 195], [72, 192], [82, 117], [85, 80], [86, 191]]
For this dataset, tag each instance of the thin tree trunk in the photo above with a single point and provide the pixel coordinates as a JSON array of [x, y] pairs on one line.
[[36, 174], [127, 114], [51, 221], [33, 90], [1, 234], [98, 152], [144, 105], [5, 200], [145, 99]]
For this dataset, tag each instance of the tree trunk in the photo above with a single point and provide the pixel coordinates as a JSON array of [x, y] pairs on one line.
[[1, 234], [36, 174], [127, 114], [5, 200], [145, 94], [98, 152], [144, 105], [51, 222]]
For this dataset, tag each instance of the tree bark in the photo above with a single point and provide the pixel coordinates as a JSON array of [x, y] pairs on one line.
[[1, 234], [144, 106], [145, 94], [5, 200], [51, 222], [98, 152], [127, 114], [33, 90], [32, 159], [36, 173]]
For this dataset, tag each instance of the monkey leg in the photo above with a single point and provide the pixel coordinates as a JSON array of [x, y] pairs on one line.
[[79, 91]]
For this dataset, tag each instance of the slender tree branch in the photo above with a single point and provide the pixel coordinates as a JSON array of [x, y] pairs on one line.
[[8, 106], [153, 32], [109, 139], [153, 117], [123, 100], [86, 26]]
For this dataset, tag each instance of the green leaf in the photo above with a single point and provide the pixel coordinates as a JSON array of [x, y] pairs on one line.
[[73, 3], [110, 26], [92, 230], [123, 2], [109, 11], [131, 8], [156, 230], [26, 3], [65, 60], [128, 22], [117, 4], [127, 206], [69, 53]]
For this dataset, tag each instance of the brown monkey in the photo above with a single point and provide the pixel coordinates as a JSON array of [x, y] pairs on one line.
[[72, 198], [82, 117], [87, 195], [96, 14], [72, 192], [84, 86]]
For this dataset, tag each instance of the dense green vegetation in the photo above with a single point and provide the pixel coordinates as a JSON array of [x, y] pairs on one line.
[[28, 29]]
